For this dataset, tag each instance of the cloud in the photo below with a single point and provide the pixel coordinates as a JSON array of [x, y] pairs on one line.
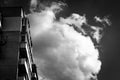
[[61, 52], [104, 21]]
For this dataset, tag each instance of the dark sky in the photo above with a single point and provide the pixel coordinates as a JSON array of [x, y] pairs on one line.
[[110, 53]]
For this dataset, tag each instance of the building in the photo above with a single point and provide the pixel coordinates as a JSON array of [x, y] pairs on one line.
[[16, 57]]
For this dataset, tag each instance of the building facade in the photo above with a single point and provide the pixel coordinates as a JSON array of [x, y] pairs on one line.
[[16, 57]]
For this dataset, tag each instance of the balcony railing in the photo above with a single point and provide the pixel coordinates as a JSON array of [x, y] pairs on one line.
[[26, 46], [23, 65], [24, 68], [25, 77], [25, 36], [25, 52], [22, 78], [34, 72]]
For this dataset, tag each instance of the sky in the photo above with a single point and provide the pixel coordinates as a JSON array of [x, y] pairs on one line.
[[109, 50], [110, 42]]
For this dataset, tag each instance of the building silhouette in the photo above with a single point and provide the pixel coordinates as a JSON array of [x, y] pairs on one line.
[[16, 57]]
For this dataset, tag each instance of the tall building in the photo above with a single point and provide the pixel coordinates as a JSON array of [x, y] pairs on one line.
[[16, 57]]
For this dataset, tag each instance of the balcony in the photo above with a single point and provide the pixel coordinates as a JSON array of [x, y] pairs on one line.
[[25, 77], [21, 78], [26, 29], [25, 52], [24, 69], [25, 22], [34, 76], [25, 47], [34, 72], [25, 36]]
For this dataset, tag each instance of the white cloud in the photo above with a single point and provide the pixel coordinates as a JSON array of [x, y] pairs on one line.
[[104, 20], [62, 53]]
